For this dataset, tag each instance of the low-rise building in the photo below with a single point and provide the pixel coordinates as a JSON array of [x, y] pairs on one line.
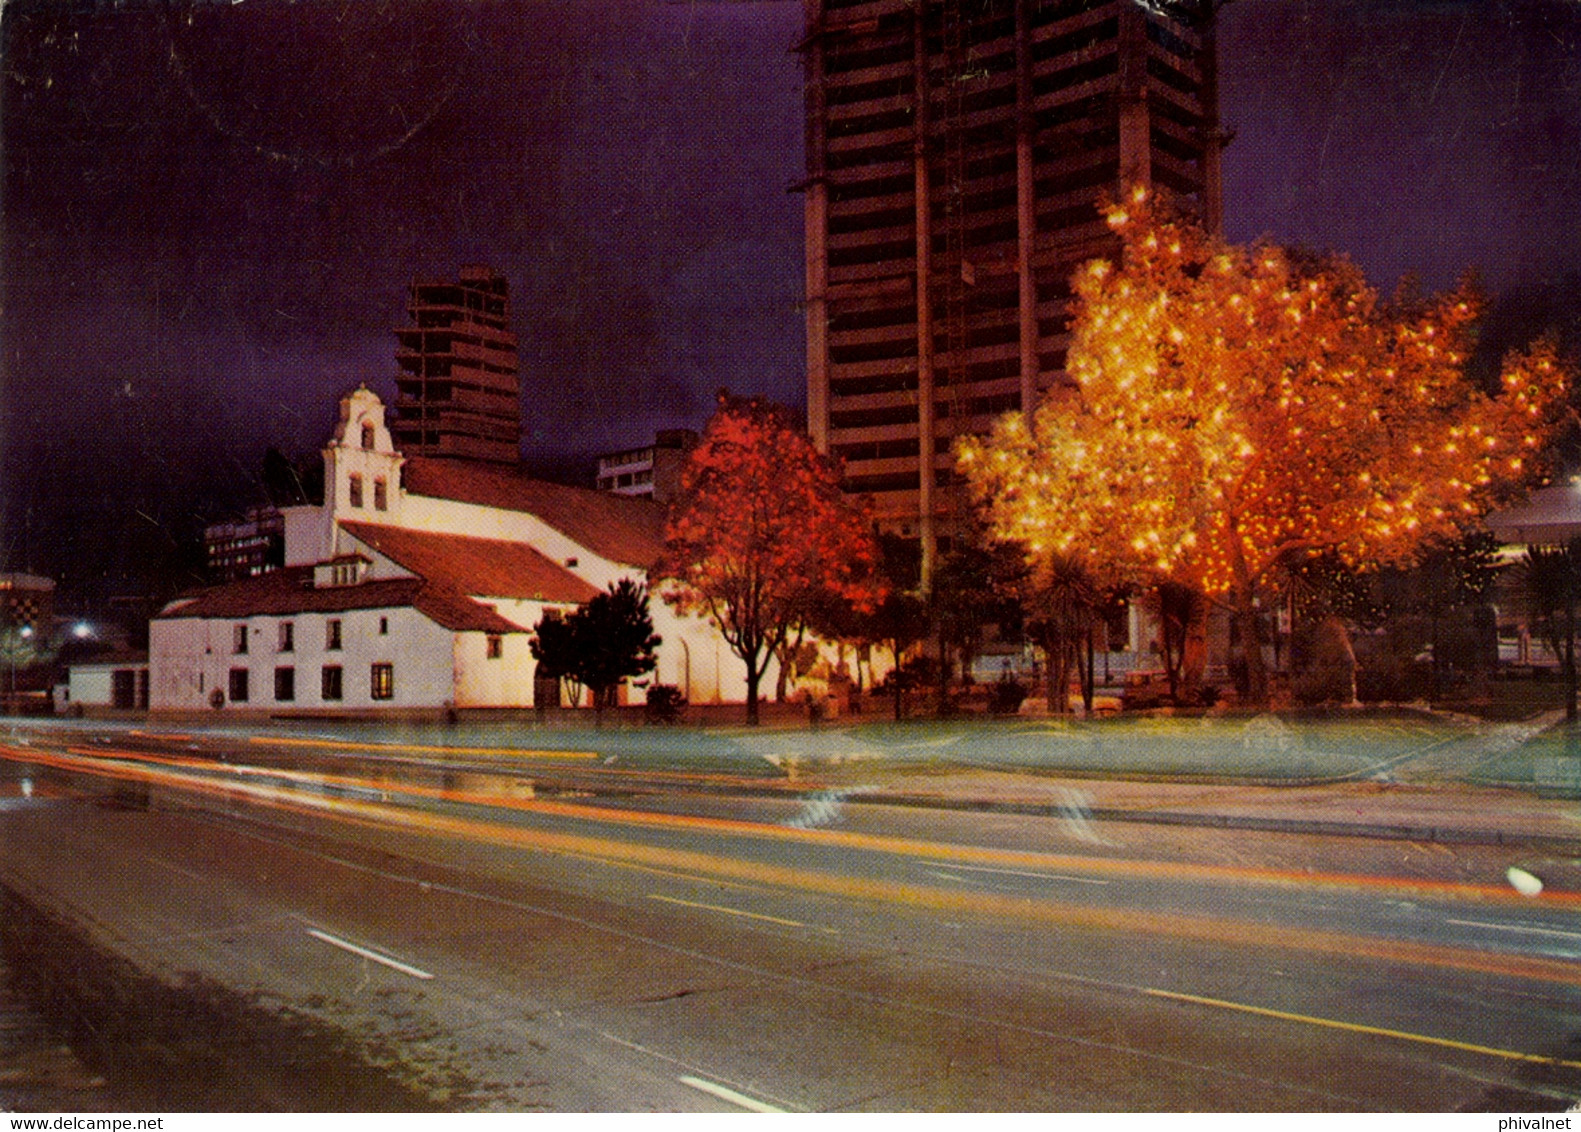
[[105, 684], [653, 472], [415, 586], [255, 545]]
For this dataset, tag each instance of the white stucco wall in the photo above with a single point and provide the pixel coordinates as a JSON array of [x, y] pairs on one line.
[[484, 681], [190, 657], [694, 656], [307, 534], [91, 685]]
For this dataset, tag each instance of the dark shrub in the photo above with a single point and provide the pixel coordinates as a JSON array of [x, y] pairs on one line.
[[665, 704], [1005, 696]]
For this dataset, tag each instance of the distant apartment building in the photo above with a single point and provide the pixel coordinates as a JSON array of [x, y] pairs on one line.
[[245, 549], [957, 152], [653, 472], [458, 392]]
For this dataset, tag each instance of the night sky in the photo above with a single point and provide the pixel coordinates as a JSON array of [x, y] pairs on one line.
[[211, 211]]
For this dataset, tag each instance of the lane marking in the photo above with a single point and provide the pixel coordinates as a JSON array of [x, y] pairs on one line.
[[182, 869], [396, 964], [1025, 873], [705, 1086], [1021, 908], [945, 854], [982, 1020], [696, 878], [1359, 1028], [1514, 928], [345, 745], [727, 911]]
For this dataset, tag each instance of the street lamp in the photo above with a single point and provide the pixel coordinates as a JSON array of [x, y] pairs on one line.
[[25, 633]]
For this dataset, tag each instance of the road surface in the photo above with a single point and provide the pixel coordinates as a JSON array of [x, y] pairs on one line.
[[535, 935]]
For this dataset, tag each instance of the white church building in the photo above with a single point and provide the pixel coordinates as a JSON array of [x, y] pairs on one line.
[[415, 588]]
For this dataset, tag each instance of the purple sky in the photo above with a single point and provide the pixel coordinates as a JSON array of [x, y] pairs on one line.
[[211, 211]]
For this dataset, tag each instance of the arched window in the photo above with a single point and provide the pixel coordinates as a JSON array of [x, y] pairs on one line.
[[367, 437]]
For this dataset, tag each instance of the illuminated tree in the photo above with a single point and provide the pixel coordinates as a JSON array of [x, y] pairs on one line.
[[1239, 405], [760, 534]]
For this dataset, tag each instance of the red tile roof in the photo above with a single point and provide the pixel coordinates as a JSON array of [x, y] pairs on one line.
[[622, 529], [291, 591], [478, 566]]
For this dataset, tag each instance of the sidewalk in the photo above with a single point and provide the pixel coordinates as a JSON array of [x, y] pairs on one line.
[[1446, 813]]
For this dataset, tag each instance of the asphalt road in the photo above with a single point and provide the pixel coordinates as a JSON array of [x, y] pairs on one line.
[[486, 942]]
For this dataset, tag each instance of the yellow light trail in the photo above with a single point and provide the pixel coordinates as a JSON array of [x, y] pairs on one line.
[[945, 852], [346, 745], [994, 906]]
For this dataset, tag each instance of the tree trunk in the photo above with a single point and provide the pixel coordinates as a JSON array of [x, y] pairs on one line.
[[894, 679], [1570, 660], [754, 675], [1245, 616], [943, 708], [752, 700], [1087, 677], [1056, 677], [1251, 634]]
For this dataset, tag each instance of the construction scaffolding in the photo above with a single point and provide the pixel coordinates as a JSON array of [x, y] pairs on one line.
[[457, 390]]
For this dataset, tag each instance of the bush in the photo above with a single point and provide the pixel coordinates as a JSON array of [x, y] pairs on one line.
[[665, 704], [918, 672], [1323, 684], [1004, 697], [1389, 679]]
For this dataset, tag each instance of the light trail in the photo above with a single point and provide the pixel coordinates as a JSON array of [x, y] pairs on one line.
[[1026, 873], [394, 748], [961, 856], [802, 981], [1204, 929], [1523, 928]]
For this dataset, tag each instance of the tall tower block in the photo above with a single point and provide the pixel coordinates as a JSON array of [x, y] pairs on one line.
[[957, 152], [458, 392]]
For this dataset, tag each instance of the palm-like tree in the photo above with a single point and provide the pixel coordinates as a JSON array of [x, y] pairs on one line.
[[1551, 585]]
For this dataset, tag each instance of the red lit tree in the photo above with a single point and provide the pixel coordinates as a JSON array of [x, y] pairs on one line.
[[760, 537], [1238, 406]]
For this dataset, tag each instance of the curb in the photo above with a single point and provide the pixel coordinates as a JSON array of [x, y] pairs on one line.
[[1380, 831]]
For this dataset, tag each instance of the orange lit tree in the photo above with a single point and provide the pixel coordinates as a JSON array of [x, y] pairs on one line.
[[760, 537], [1238, 406]]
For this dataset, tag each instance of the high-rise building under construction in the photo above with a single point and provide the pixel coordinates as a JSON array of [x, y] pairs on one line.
[[957, 153], [457, 392]]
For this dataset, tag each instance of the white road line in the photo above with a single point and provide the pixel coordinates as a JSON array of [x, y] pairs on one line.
[[1024, 873], [1514, 928], [182, 869], [395, 964], [724, 1094], [727, 911]]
